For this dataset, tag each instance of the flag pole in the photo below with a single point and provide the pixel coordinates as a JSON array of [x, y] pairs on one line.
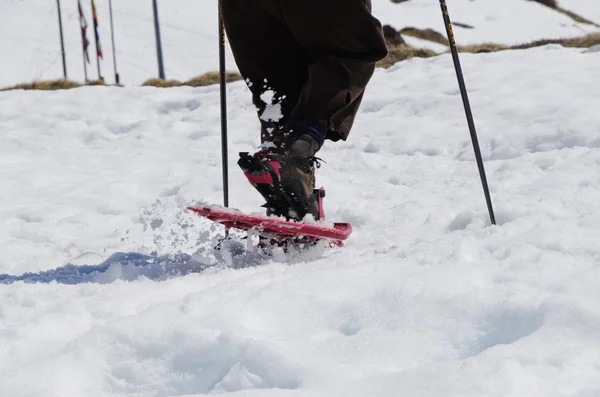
[[159, 53], [83, 26], [112, 34], [97, 36], [98, 63], [62, 40], [85, 67]]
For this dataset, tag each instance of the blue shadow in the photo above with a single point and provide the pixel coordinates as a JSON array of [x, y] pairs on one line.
[[119, 266]]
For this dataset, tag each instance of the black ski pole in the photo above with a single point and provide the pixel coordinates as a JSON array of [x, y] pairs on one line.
[[223, 83], [159, 52], [112, 36], [465, 98], [62, 40]]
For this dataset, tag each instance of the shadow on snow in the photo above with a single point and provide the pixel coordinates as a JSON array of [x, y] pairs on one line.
[[131, 266]]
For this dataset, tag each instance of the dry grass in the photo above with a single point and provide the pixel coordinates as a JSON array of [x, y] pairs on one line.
[[402, 52], [586, 41], [47, 85], [203, 80], [482, 48], [95, 82], [425, 34], [63, 84], [211, 78], [53, 85], [577, 42], [160, 83]]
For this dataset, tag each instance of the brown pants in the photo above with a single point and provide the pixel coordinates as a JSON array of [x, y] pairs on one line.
[[316, 55]]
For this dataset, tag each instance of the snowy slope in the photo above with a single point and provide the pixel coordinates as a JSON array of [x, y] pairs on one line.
[[427, 299], [30, 48], [506, 22]]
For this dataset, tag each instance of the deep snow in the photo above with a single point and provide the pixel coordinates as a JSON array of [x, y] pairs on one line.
[[108, 287], [427, 299]]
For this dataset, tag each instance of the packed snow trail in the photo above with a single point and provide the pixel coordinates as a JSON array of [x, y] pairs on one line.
[[427, 298]]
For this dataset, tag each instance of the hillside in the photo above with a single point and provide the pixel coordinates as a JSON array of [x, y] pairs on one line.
[[109, 287], [426, 299], [31, 50]]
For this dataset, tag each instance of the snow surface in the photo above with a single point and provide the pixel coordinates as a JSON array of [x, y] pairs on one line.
[[30, 46], [421, 43], [427, 299], [505, 22], [29, 34]]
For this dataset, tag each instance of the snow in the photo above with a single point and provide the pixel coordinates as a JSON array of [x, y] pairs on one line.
[[427, 298], [594, 48], [31, 50], [421, 43], [109, 287], [503, 22]]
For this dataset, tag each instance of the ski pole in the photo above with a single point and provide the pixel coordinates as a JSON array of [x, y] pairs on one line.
[[223, 96], [159, 52], [465, 98], [62, 40], [112, 37]]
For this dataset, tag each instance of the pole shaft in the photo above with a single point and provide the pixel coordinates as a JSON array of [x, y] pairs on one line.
[[85, 68], [159, 53], [97, 39], [83, 48], [62, 40], [84, 57], [98, 62], [467, 106], [223, 86], [112, 36]]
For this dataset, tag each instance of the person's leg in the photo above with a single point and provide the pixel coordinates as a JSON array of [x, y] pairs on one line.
[[318, 56], [269, 59], [344, 42]]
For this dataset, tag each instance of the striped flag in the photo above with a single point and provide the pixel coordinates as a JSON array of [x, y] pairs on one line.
[[84, 25], [98, 46]]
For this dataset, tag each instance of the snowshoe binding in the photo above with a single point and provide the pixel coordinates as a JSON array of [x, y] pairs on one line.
[[286, 178]]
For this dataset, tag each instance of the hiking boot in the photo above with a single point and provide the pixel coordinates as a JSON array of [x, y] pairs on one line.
[[283, 171]]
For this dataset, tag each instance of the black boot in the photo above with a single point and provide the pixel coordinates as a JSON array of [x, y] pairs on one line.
[[284, 173]]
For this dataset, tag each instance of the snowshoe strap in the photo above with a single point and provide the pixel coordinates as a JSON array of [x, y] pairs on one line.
[[263, 173], [265, 177]]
